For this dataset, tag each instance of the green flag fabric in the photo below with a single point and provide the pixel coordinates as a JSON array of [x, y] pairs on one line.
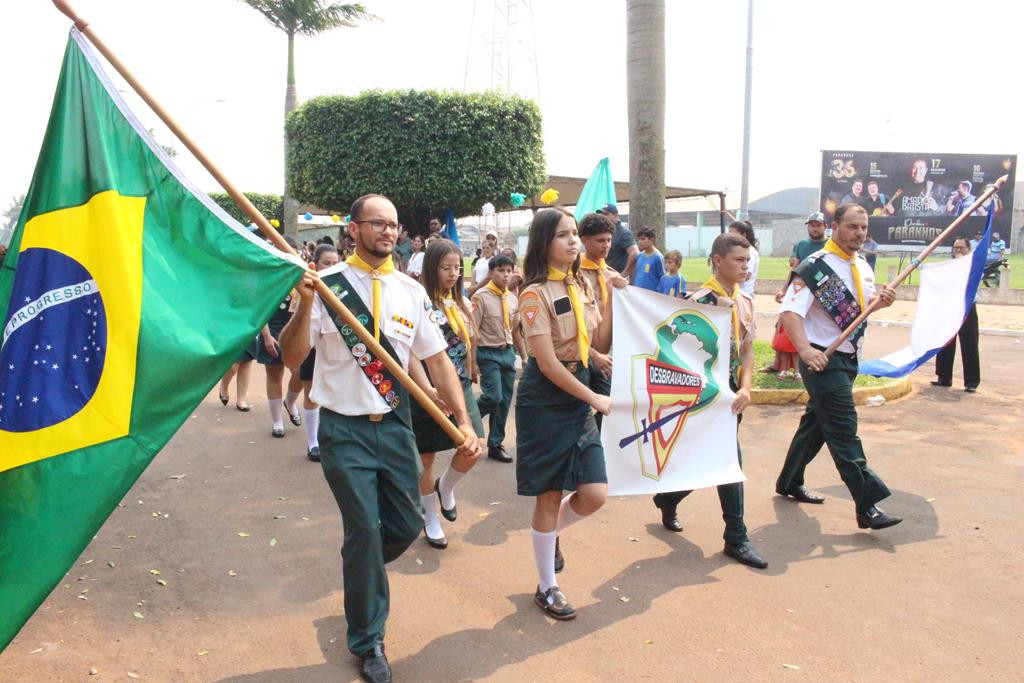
[[598, 192], [125, 295]]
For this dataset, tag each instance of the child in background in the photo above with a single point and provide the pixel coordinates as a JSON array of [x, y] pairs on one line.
[[672, 283], [649, 264]]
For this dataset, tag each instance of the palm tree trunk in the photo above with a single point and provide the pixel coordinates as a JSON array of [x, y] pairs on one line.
[[291, 207], [645, 78]]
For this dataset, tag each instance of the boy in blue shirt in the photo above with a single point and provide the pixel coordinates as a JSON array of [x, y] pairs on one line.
[[649, 266], [672, 283]]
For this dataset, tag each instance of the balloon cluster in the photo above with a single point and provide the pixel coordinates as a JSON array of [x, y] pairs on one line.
[[516, 199], [550, 196], [487, 209]]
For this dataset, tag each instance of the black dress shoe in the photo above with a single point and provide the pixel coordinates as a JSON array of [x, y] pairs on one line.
[[940, 383], [277, 433], [669, 519], [876, 518], [559, 558], [224, 398], [744, 553], [498, 453], [296, 418], [373, 666], [802, 494], [314, 454], [554, 603], [437, 543], [451, 514], [970, 390]]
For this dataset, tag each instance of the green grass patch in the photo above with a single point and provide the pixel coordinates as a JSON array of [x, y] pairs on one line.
[[764, 355], [777, 268]]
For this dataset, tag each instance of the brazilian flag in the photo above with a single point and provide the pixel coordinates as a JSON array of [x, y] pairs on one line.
[[125, 295]]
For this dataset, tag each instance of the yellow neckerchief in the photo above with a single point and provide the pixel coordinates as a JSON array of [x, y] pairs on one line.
[[503, 295], [454, 315], [582, 336], [375, 274], [599, 266], [715, 286], [832, 247]]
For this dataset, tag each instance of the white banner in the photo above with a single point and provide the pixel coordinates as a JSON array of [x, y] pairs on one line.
[[671, 426]]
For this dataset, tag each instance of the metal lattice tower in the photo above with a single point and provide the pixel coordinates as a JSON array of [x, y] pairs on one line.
[[502, 50]]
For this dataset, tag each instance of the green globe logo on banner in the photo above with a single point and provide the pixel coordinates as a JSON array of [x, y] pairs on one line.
[[675, 388]]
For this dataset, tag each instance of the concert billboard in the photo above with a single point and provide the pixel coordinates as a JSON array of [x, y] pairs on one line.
[[911, 198]]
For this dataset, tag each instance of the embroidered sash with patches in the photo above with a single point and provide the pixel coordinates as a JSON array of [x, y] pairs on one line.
[[376, 373], [832, 293], [457, 348]]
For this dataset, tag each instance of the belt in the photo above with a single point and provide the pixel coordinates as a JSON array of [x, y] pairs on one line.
[[503, 347], [841, 353], [371, 417]]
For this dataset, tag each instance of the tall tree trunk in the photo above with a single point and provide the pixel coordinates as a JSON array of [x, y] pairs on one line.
[[291, 207], [645, 89]]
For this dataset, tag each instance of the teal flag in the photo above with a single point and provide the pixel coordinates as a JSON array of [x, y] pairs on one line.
[[598, 192], [125, 295]]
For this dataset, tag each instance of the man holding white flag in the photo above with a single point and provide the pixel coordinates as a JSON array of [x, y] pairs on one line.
[[825, 295]]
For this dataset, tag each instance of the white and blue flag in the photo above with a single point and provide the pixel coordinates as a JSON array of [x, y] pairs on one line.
[[944, 299]]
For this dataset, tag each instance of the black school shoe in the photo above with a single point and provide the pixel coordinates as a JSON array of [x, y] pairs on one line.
[[314, 454], [374, 667], [452, 513], [876, 518], [744, 553], [498, 453], [554, 603]]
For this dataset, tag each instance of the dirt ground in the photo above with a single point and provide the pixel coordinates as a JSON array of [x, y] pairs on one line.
[[245, 534]]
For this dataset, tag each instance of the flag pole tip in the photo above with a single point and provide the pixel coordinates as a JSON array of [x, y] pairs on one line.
[[65, 8]]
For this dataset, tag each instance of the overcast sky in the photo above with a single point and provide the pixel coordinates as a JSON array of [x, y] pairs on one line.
[[858, 75]]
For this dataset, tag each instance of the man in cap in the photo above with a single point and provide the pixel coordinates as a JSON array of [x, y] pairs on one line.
[[815, 239], [622, 256]]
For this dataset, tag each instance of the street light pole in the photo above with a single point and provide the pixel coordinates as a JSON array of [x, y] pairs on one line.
[[743, 214]]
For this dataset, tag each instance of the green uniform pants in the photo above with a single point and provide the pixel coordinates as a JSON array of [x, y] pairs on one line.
[[497, 381], [730, 497], [831, 418], [374, 473]]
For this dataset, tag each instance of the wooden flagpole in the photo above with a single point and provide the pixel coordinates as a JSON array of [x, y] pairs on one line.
[[268, 231], [915, 262]]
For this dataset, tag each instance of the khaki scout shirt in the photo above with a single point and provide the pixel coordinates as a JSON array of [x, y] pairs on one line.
[[545, 308], [744, 311], [591, 277], [489, 319]]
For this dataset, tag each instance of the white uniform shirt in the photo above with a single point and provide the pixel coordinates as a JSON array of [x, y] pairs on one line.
[[481, 269], [339, 383], [747, 286], [818, 324]]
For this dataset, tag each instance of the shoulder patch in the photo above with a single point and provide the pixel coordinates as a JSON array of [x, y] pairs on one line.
[[529, 313]]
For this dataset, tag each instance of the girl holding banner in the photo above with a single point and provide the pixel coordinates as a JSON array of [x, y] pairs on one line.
[[557, 441]]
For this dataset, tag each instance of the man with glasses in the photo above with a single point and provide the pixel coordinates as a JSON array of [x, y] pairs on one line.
[[367, 448]]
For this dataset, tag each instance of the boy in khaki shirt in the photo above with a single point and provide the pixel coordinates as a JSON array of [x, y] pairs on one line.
[[496, 315]]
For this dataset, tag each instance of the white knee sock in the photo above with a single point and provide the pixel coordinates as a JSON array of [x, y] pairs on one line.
[[431, 522], [311, 420], [290, 399], [275, 413], [544, 556], [447, 486], [566, 515]]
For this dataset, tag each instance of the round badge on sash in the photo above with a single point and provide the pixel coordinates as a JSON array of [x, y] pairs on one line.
[[453, 352], [394, 404], [363, 360], [377, 379], [346, 330], [461, 348], [438, 316], [390, 395], [359, 350], [363, 319], [352, 340], [376, 366]]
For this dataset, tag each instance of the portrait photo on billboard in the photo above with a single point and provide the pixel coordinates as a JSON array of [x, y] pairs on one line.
[[911, 198]]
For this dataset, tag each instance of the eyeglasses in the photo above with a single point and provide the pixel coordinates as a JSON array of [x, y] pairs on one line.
[[380, 226]]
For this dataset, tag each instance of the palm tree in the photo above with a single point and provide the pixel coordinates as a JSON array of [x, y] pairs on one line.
[[645, 90], [308, 18]]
